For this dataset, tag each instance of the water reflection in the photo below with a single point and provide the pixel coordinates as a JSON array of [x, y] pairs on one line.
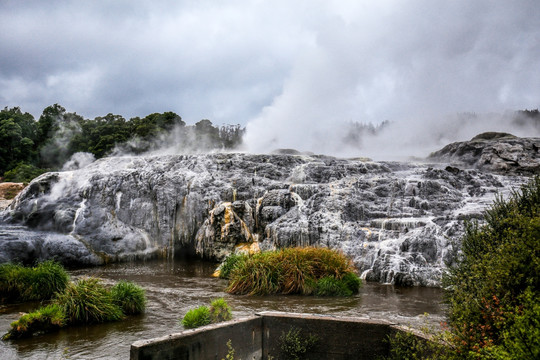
[[173, 287]]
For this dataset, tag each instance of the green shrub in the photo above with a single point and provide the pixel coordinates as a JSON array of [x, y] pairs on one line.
[[330, 286], [352, 281], [491, 286], [229, 264], [129, 297], [43, 320], [290, 271], [197, 317], [296, 346], [220, 310], [19, 283], [88, 301], [23, 173]]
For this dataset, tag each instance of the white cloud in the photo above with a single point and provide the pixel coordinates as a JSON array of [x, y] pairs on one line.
[[292, 70]]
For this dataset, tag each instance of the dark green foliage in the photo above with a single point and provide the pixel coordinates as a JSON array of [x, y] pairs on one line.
[[88, 301], [294, 345], [23, 173], [404, 345], [491, 287], [352, 281], [229, 264], [220, 311], [197, 317], [293, 271], [19, 283], [129, 297], [57, 135], [46, 319], [330, 286], [17, 138]]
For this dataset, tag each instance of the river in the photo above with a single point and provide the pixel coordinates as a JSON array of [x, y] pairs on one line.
[[174, 287]]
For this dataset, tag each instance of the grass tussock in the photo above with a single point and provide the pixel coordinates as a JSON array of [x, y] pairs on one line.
[[19, 283], [307, 271], [218, 311], [88, 301], [83, 302], [129, 297], [197, 317], [46, 319]]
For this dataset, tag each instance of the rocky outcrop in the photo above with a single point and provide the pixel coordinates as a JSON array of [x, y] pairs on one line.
[[495, 152], [399, 222]]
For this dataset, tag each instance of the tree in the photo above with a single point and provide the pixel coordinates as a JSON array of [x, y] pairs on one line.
[[17, 138]]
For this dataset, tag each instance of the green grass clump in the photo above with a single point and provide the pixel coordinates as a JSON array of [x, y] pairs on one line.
[[230, 263], [84, 302], [197, 317], [293, 271], [220, 310], [19, 283], [46, 319], [129, 297], [88, 301], [330, 286]]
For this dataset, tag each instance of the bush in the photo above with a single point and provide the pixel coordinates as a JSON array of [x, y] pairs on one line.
[[294, 345], [330, 286], [88, 301], [229, 264], [292, 271], [197, 317], [493, 289], [23, 173], [19, 283], [220, 310], [129, 297], [43, 320]]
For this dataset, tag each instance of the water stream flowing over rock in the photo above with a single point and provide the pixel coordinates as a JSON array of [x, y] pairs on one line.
[[399, 222]]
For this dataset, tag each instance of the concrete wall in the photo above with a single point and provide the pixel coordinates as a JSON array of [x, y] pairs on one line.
[[208, 342], [258, 337], [339, 338]]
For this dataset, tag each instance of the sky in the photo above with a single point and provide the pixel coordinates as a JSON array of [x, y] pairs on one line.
[[292, 72]]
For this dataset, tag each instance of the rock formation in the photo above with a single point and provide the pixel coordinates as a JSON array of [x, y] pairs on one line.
[[496, 152], [399, 222]]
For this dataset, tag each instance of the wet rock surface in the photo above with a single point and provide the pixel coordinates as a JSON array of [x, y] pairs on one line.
[[496, 152], [399, 222]]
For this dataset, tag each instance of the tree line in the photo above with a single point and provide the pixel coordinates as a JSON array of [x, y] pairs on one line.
[[29, 147]]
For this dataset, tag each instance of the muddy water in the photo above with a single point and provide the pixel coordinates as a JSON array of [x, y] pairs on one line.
[[173, 288]]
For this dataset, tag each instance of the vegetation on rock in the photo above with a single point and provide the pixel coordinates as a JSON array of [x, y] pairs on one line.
[[307, 271]]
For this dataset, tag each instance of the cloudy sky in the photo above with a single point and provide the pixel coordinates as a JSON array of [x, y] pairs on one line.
[[286, 69]]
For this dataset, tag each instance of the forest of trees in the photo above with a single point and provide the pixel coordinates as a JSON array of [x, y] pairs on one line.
[[29, 147]]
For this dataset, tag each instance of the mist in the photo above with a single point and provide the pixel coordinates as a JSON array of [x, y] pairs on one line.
[[420, 65]]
